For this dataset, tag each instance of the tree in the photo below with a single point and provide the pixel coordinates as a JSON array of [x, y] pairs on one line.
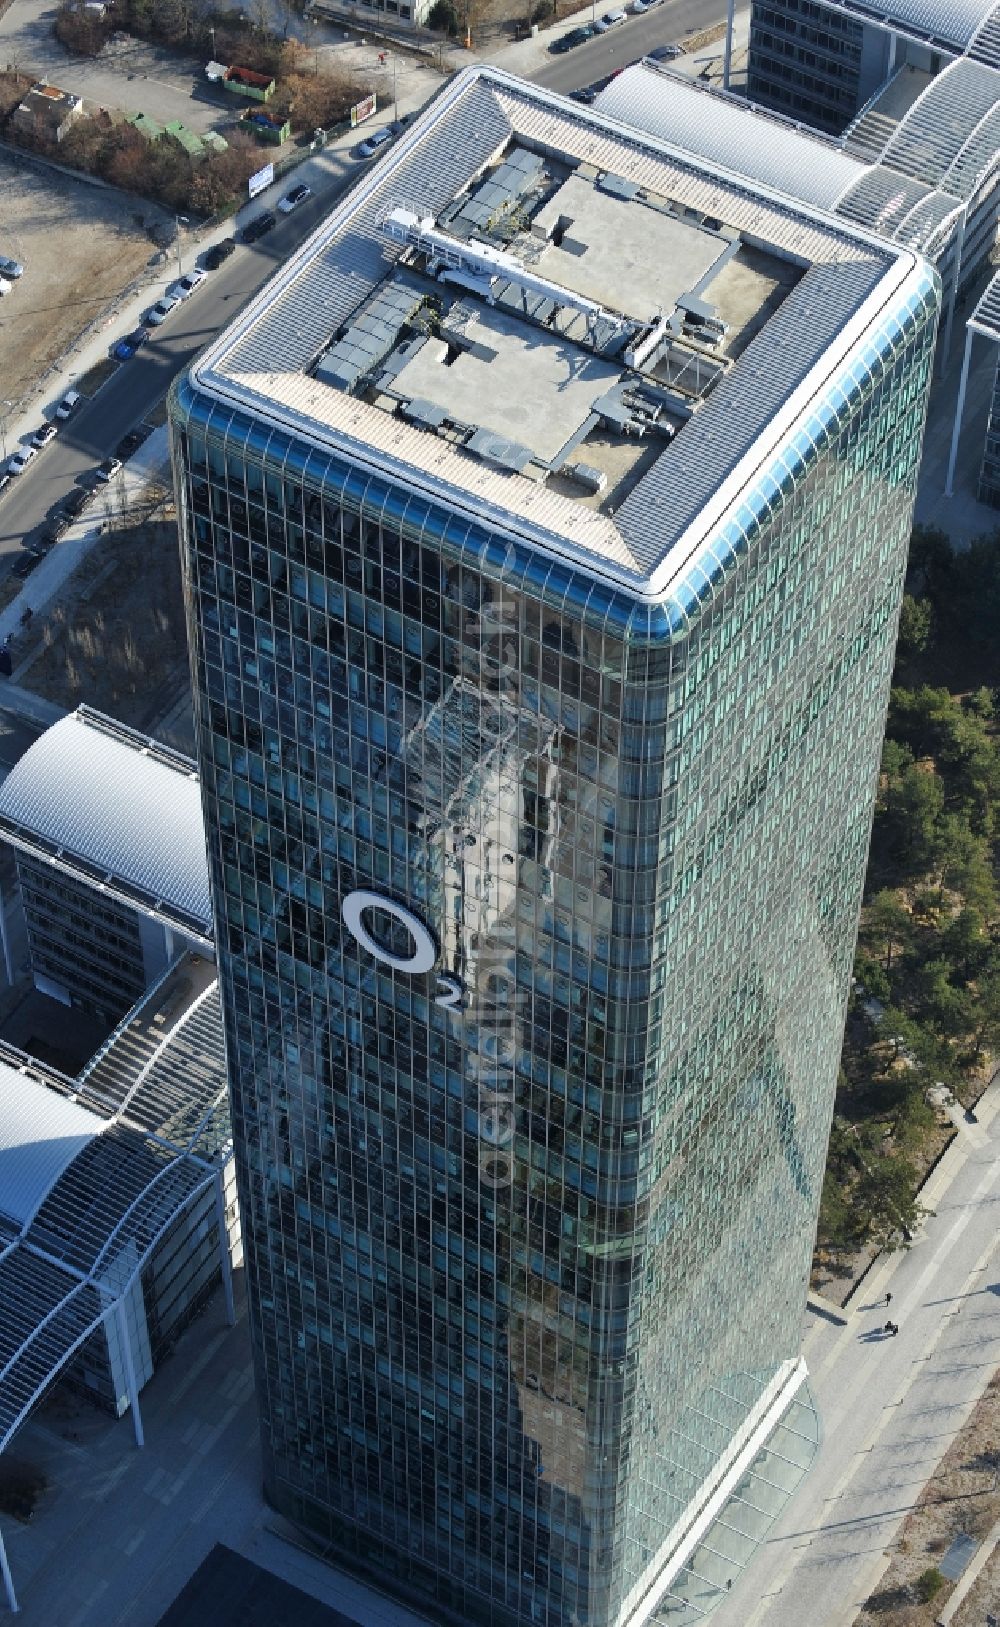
[[964, 943], [931, 560], [987, 1013], [887, 925], [914, 804], [914, 627], [885, 1198], [965, 865], [946, 1008], [443, 18]]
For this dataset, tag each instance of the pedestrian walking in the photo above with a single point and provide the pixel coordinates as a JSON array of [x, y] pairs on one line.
[[888, 1301], [891, 1329]]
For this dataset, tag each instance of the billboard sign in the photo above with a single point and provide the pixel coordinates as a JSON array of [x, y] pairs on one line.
[[262, 179], [362, 110]]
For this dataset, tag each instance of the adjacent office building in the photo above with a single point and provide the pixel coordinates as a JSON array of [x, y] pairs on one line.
[[117, 1201], [824, 61], [111, 866], [545, 521]]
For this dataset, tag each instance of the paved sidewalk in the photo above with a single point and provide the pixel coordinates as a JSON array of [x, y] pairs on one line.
[[120, 1530], [889, 1406]]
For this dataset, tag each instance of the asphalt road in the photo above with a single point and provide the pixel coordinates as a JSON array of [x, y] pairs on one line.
[[128, 397], [600, 56]]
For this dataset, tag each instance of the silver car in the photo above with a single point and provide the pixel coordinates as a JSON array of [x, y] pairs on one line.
[[161, 310]]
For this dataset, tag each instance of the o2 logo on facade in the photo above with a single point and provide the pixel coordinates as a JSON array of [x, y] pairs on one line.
[[354, 906], [491, 1061]]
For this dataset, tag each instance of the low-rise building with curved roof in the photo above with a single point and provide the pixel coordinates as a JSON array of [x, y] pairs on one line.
[[112, 867], [117, 1205]]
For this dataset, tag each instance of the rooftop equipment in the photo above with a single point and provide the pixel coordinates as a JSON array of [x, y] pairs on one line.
[[478, 266]]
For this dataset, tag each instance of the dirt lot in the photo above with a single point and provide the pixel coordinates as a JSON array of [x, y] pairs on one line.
[[54, 224], [962, 1496]]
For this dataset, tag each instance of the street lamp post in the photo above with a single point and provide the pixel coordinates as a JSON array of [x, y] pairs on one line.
[[179, 221], [3, 424]]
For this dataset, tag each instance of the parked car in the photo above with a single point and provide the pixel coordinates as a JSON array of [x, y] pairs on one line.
[[370, 146], [19, 462], [43, 436], [218, 253], [259, 225], [610, 19], [26, 564], [47, 539], [185, 286], [10, 268], [292, 199], [75, 502], [5, 286], [126, 348], [68, 405], [569, 42], [4, 481], [59, 523], [397, 126], [665, 53], [130, 443], [107, 470], [161, 310], [639, 6]]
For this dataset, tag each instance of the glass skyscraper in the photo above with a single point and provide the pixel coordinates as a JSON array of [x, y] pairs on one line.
[[544, 523]]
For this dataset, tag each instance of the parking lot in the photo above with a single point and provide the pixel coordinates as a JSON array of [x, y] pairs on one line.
[[80, 246]]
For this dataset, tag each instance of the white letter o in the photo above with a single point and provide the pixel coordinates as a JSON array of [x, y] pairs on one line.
[[425, 949]]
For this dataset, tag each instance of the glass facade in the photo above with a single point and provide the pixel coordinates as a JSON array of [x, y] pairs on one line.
[[536, 912]]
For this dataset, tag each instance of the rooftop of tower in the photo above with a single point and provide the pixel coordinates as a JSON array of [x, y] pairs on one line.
[[539, 315]]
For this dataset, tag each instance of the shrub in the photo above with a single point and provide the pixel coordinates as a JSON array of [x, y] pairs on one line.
[[929, 1584], [83, 32], [443, 17]]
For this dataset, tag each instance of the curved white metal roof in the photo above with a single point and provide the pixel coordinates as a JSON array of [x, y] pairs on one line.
[[709, 125], [41, 1133], [951, 134], [905, 209], [118, 809], [952, 22], [94, 1192]]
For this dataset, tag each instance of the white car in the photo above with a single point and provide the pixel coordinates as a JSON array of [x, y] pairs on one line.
[[185, 286], [639, 6], [69, 403], [611, 19], [5, 286], [370, 146], [19, 462], [161, 310], [292, 199]]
